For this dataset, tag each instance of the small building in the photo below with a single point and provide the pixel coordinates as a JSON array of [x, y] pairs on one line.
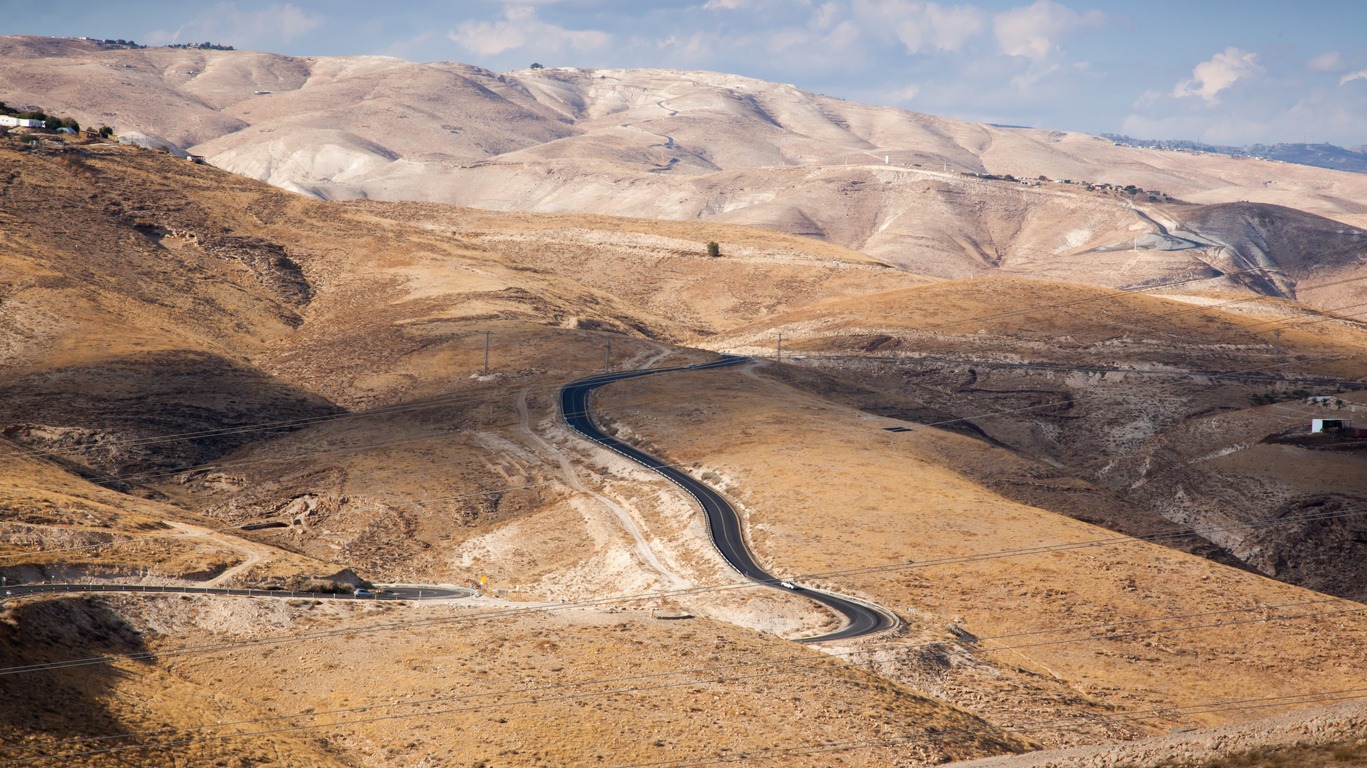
[[20, 122], [1327, 425], [197, 159], [68, 131]]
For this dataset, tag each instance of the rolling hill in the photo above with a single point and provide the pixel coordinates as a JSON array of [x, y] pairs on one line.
[[1043, 425], [908, 189]]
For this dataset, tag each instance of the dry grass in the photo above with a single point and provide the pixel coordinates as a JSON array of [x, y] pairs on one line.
[[825, 489], [563, 688], [1057, 322], [143, 260]]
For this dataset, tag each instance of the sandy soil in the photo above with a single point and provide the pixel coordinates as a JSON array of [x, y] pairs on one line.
[[185, 347], [827, 491]]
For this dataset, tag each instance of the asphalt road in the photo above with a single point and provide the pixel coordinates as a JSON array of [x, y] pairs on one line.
[[389, 593], [722, 520]]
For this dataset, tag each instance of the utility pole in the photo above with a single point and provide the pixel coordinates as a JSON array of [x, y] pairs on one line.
[[607, 356], [778, 352], [1277, 344], [486, 351]]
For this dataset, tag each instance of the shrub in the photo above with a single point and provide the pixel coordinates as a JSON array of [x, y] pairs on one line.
[[713, 249]]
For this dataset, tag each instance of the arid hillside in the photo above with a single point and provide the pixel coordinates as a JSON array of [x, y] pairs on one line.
[[212, 381], [189, 352], [935, 196], [1140, 410]]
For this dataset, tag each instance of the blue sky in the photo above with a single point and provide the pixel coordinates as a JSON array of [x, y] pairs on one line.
[[1222, 71]]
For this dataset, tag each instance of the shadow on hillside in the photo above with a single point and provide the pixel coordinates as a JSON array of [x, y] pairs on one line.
[[41, 702], [150, 412]]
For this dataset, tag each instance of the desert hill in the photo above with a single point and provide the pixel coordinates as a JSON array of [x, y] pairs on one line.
[[191, 351], [1156, 411], [683, 146], [164, 390]]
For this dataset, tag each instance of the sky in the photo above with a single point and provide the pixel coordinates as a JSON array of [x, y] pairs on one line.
[[1219, 71]]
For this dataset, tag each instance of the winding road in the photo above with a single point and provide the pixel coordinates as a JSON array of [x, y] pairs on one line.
[[722, 519]]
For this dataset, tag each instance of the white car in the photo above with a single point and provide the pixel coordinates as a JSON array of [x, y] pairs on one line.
[[787, 585]]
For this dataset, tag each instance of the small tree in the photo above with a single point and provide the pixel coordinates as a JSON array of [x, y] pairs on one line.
[[106, 132], [537, 65], [713, 249]]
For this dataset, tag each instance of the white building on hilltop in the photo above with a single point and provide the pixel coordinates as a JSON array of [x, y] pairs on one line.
[[20, 122]]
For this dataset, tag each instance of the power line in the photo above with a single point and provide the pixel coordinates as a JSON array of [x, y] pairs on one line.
[[1265, 297], [667, 594], [727, 671], [31, 554], [485, 493], [1110, 296], [806, 659], [480, 396], [1349, 694], [476, 494], [230, 464], [1165, 712]]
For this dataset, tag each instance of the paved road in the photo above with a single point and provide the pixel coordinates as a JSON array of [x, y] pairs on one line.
[[390, 593], [860, 619]]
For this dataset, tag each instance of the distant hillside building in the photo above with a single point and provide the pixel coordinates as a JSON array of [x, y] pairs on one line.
[[20, 122], [1327, 425]]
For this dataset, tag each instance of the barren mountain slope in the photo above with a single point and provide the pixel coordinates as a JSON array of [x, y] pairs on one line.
[[309, 683], [1054, 626], [664, 144], [1138, 406], [177, 314], [341, 346], [410, 464]]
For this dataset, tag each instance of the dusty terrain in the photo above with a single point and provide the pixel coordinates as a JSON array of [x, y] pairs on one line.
[[187, 352], [1011, 608], [276, 683], [1159, 411]]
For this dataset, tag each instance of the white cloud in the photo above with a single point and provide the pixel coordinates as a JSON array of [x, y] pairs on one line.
[[227, 25], [1034, 31], [1351, 76], [1147, 99], [826, 15], [922, 25], [844, 35], [1223, 70], [1329, 61], [695, 47], [520, 28], [904, 94], [790, 38], [723, 5]]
